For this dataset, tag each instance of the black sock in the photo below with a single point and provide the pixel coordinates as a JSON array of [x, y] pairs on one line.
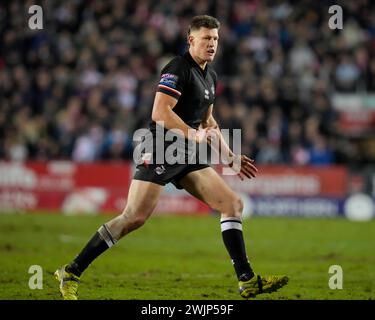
[[100, 242], [231, 230]]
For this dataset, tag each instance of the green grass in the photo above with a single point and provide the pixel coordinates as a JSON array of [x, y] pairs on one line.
[[184, 257]]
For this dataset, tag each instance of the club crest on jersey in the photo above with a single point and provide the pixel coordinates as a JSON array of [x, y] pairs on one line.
[[206, 94]]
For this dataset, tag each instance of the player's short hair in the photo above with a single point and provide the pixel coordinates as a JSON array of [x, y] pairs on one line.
[[203, 21]]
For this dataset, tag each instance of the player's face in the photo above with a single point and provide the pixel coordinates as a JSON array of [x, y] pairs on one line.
[[203, 43]]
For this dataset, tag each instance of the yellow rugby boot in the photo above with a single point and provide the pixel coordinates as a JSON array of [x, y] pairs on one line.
[[68, 283], [257, 284]]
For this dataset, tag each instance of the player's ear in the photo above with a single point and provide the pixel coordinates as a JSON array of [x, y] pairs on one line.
[[190, 39]]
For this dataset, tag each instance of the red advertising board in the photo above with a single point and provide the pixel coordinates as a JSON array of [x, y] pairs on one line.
[[78, 188], [63, 185], [102, 187], [328, 181]]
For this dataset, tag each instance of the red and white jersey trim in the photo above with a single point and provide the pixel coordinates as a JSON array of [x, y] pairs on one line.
[[171, 89]]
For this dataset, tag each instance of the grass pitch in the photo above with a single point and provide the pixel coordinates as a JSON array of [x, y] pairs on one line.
[[174, 258]]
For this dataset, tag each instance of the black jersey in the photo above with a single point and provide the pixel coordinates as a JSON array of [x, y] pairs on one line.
[[194, 88]]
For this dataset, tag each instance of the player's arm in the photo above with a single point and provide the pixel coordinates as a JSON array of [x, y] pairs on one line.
[[163, 114], [240, 163], [209, 120]]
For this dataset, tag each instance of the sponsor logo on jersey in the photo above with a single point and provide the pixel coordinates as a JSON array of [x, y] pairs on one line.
[[169, 80]]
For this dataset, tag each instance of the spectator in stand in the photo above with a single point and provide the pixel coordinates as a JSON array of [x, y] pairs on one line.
[[319, 153], [97, 62]]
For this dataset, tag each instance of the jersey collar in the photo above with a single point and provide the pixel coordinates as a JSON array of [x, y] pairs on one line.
[[188, 56]]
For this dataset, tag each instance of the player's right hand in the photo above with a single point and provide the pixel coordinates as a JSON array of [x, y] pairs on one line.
[[200, 135], [207, 134]]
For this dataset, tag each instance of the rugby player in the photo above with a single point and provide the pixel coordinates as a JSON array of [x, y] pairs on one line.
[[183, 101]]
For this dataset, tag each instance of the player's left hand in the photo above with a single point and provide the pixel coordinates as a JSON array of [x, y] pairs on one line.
[[244, 166]]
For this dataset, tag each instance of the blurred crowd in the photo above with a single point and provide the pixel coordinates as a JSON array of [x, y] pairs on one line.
[[80, 87]]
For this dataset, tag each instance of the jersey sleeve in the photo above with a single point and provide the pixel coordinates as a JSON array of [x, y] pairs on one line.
[[173, 78]]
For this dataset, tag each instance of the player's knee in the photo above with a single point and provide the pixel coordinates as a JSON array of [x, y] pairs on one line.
[[235, 208], [133, 219], [238, 206]]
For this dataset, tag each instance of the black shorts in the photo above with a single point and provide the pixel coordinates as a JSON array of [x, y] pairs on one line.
[[165, 173], [185, 155]]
